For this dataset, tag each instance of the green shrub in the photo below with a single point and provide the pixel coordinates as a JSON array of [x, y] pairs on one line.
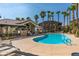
[[77, 33], [66, 29]]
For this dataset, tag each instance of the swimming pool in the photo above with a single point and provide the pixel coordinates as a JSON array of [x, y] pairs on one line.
[[55, 38]]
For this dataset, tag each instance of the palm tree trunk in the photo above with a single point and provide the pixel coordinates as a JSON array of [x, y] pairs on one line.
[[77, 16], [36, 21], [73, 21], [58, 23], [58, 17], [43, 20], [64, 21], [67, 21], [48, 17], [52, 18], [69, 16], [50, 27], [48, 23], [43, 23], [77, 13]]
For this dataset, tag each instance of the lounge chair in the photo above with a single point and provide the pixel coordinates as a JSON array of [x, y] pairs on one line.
[[7, 52], [6, 49], [75, 54]]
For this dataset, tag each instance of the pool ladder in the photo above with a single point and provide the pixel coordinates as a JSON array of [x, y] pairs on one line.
[[68, 42]]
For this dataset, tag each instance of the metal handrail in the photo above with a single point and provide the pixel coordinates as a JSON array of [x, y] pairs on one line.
[[67, 42]]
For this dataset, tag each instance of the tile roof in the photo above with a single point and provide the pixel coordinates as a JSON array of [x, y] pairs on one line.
[[10, 22], [16, 22]]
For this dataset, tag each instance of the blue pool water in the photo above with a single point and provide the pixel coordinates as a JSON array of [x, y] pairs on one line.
[[55, 38]]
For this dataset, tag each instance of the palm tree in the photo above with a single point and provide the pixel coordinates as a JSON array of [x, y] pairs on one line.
[[67, 15], [77, 17], [77, 12], [76, 8], [69, 11], [76, 23], [36, 18], [28, 18], [43, 14], [17, 18], [58, 13], [22, 19], [64, 14], [73, 9], [52, 15], [0, 16], [49, 15], [49, 18]]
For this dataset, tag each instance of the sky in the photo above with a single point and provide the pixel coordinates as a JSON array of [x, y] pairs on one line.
[[13, 10]]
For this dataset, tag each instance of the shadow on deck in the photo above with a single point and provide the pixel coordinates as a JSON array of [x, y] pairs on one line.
[[19, 53]]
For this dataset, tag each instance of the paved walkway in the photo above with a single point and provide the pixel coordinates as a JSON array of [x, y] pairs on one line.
[[29, 46]]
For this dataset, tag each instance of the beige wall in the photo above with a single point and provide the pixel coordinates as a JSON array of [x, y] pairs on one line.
[[11, 29], [8, 29]]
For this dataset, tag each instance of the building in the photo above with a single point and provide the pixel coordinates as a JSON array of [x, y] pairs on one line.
[[16, 27], [51, 26]]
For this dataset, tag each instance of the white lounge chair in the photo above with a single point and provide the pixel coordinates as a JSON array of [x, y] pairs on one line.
[[6, 52]]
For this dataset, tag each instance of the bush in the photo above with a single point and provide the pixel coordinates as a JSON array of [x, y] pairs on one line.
[[66, 29], [77, 33], [74, 31]]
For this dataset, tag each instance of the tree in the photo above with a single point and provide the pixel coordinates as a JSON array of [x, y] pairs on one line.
[[69, 11], [43, 14], [67, 15], [77, 17], [64, 14], [52, 15], [22, 19], [17, 18], [73, 9], [0, 16], [28, 18], [76, 8], [67, 18], [77, 13], [49, 15], [36, 18], [58, 13], [49, 19]]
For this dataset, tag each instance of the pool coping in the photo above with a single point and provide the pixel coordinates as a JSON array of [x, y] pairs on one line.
[[47, 49]]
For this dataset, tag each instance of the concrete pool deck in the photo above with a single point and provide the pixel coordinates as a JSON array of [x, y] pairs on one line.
[[29, 46]]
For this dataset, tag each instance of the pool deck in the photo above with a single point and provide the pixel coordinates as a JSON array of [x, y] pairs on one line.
[[29, 46]]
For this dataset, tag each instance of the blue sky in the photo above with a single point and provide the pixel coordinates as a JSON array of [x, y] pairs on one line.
[[12, 10]]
